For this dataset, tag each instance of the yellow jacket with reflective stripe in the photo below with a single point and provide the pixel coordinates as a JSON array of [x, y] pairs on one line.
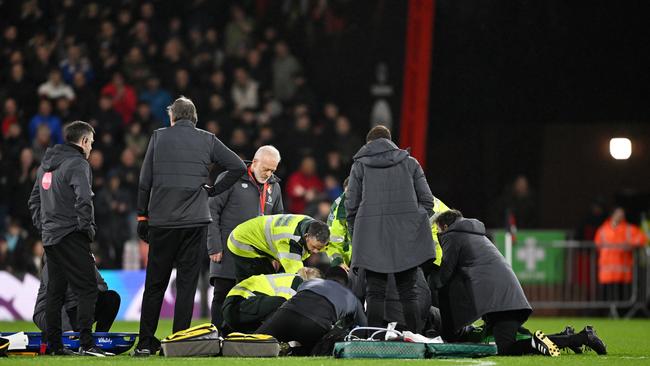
[[269, 285], [271, 236], [339, 248], [438, 206]]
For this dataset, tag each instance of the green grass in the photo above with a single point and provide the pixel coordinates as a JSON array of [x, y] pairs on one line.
[[628, 343]]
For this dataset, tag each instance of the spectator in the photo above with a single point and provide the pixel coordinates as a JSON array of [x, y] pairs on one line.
[[13, 142], [158, 100], [42, 141], [55, 88], [240, 144], [85, 103], [35, 258], [136, 140], [96, 161], [303, 186], [217, 112], [16, 238], [285, 67], [5, 258], [136, 70], [9, 115], [22, 186], [41, 63], [520, 202], [128, 172], [345, 141], [106, 118], [238, 30], [63, 110], [244, 91], [75, 62], [45, 117], [113, 205], [123, 95], [144, 117], [20, 88]]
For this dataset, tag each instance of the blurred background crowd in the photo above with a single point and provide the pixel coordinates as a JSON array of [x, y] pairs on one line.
[[118, 65]]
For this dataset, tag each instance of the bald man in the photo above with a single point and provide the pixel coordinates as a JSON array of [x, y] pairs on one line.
[[256, 193]]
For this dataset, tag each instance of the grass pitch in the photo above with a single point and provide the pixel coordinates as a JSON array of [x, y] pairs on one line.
[[628, 343]]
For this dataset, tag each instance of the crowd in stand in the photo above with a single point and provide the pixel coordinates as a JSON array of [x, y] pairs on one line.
[[119, 65]]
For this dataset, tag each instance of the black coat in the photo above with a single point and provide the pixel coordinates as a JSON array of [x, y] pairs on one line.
[[388, 204], [475, 277], [239, 203], [174, 169], [61, 199]]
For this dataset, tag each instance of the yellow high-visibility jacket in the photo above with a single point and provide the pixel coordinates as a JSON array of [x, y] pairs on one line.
[[279, 237]]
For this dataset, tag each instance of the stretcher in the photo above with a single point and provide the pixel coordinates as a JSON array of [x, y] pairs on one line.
[[111, 342]]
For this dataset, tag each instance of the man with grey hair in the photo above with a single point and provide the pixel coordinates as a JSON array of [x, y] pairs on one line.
[[256, 193], [173, 213]]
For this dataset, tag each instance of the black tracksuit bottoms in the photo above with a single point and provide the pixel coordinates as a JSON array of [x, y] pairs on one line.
[[180, 247], [70, 262]]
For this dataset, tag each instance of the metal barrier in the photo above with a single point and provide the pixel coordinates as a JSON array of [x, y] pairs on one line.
[[564, 275]]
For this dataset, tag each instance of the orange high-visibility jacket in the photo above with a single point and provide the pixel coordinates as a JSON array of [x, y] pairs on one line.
[[615, 251]]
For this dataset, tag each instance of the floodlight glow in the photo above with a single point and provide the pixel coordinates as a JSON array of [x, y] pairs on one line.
[[620, 148]]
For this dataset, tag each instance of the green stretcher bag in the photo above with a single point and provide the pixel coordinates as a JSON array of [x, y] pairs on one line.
[[355, 347]]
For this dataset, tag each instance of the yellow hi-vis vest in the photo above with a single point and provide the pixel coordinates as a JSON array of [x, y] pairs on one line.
[[339, 248], [438, 207], [270, 237], [269, 285]]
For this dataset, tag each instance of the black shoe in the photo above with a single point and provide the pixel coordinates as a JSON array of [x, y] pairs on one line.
[[94, 351], [593, 341], [542, 344], [569, 331], [62, 352], [141, 352]]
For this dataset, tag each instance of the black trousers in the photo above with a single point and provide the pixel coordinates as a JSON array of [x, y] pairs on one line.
[[376, 296], [246, 267], [168, 247], [106, 309], [246, 315], [221, 288], [286, 325], [70, 262], [505, 325]]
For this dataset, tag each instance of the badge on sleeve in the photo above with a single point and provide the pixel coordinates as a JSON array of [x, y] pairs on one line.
[[244, 185]]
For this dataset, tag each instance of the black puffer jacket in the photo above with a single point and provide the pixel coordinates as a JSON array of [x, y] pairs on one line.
[[475, 277], [61, 201], [175, 168], [388, 204]]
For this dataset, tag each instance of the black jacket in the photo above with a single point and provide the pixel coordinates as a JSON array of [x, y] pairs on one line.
[[388, 203], [345, 303], [69, 302], [175, 167], [237, 204], [61, 199], [475, 277]]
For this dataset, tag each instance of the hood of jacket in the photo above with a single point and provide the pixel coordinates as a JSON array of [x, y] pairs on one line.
[[55, 156], [470, 226], [381, 153]]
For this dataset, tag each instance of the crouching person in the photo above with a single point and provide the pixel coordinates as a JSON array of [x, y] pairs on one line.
[[477, 282], [257, 297], [313, 311], [107, 306]]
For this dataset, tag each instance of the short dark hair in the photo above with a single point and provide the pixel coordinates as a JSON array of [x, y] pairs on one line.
[[320, 231], [183, 108], [74, 131], [378, 132], [337, 274], [447, 217]]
